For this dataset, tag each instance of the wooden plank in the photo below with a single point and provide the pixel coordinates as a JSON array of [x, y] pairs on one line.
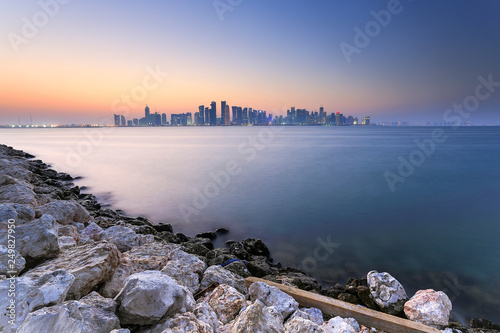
[[364, 316]]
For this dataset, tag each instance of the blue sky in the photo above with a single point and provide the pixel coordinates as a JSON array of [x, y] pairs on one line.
[[266, 55]]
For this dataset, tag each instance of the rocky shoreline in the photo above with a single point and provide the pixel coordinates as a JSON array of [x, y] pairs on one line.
[[69, 265]]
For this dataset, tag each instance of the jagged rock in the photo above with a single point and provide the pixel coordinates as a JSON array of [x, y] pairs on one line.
[[387, 292], [223, 276], [69, 231], [18, 212], [163, 227], [294, 278], [35, 240], [65, 212], [226, 301], [272, 296], [13, 190], [138, 259], [204, 312], [181, 323], [429, 307], [198, 246], [124, 238], [145, 230], [186, 269], [258, 318], [5, 264], [91, 314], [260, 267], [150, 295], [238, 267], [16, 169], [66, 242], [301, 325], [335, 291], [92, 232], [341, 325], [349, 298], [90, 264], [145, 239], [32, 294], [312, 314], [121, 330], [209, 234], [483, 323]]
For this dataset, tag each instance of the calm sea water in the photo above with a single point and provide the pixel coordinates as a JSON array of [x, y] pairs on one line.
[[318, 197]]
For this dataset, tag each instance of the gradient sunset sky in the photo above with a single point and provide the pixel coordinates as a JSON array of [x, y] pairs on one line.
[[268, 55]]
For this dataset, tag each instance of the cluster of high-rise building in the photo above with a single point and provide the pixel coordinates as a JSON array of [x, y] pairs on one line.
[[239, 116]]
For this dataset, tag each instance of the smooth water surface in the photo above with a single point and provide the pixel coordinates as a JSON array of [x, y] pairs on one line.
[[317, 196]]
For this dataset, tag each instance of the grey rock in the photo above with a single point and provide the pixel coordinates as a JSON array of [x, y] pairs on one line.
[[18, 212], [387, 292], [64, 211], [124, 238], [149, 296], [429, 307], [91, 314], [258, 318], [223, 276], [272, 296]]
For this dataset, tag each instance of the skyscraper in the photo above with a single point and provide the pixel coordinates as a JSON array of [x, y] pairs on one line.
[[123, 122], [117, 119], [163, 119], [227, 118], [213, 114], [147, 111], [201, 116], [207, 116], [223, 112]]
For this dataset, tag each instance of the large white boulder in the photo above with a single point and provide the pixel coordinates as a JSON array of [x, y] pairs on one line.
[[301, 325], [185, 268], [18, 212], [31, 294], [149, 296], [387, 292], [125, 238], [90, 264], [258, 318], [91, 314], [139, 259], [36, 240], [313, 314], [221, 275], [272, 296], [64, 211], [341, 325], [226, 302], [429, 307], [181, 323]]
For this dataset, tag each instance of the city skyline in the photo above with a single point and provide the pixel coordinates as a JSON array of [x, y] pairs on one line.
[[81, 62]]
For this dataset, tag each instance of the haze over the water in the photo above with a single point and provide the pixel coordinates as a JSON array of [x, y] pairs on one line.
[[82, 61]]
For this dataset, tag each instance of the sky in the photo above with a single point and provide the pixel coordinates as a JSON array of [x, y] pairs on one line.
[[65, 61]]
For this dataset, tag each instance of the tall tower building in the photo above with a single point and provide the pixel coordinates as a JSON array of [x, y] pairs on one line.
[[223, 112], [117, 119], [201, 110], [227, 118], [207, 116], [213, 114], [146, 111]]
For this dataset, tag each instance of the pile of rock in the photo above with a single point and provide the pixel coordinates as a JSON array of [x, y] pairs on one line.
[[82, 268]]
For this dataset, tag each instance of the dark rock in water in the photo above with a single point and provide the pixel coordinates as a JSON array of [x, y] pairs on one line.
[[204, 241], [335, 291], [168, 237], [163, 227], [238, 267], [483, 323], [64, 176], [108, 213], [145, 230], [221, 231], [352, 285], [256, 247], [366, 297], [350, 298], [183, 238], [229, 242], [217, 252], [261, 267], [220, 259], [294, 278], [239, 250], [248, 248], [145, 221], [209, 234], [196, 249]]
